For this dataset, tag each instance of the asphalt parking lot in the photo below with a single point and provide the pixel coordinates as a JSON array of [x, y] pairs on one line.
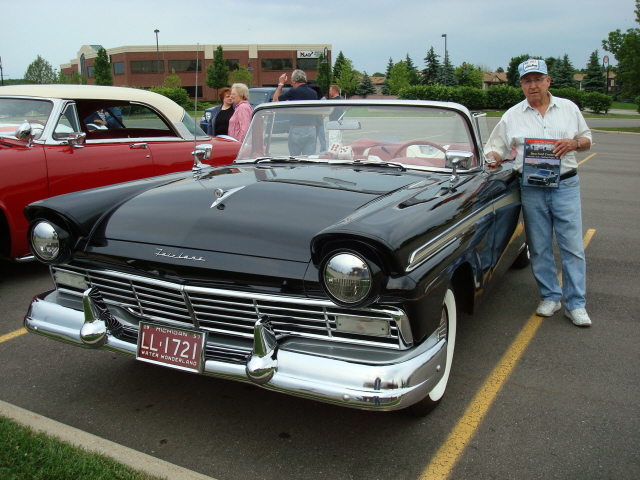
[[529, 398]]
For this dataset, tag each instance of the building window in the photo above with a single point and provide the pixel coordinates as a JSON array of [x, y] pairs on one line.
[[184, 66], [147, 66], [233, 64], [118, 68], [192, 90], [276, 64], [307, 63], [90, 72]]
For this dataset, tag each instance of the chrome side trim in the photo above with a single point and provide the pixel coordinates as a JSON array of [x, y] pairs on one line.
[[449, 236]]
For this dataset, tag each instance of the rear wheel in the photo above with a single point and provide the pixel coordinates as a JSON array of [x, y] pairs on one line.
[[446, 329]]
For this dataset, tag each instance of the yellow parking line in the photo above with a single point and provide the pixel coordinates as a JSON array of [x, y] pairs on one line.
[[588, 158], [11, 335], [449, 453]]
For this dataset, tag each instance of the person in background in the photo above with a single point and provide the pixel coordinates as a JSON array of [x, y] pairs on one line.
[[105, 117], [220, 115], [549, 210], [335, 136], [302, 134], [322, 139], [239, 122]]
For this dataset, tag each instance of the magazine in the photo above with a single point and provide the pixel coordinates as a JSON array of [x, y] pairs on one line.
[[540, 166]]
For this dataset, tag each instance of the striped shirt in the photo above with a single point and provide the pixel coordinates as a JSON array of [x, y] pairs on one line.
[[563, 119]]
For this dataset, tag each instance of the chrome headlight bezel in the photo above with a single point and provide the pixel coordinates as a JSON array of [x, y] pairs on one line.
[[349, 278], [48, 242]]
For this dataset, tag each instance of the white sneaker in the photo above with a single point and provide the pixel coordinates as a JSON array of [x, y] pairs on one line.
[[548, 308], [578, 316]]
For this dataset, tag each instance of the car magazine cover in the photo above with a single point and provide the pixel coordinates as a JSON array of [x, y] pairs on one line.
[[540, 168]]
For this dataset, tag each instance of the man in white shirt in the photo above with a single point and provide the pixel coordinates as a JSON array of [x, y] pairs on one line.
[[549, 210]]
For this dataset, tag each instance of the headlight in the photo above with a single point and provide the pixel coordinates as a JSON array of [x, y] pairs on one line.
[[347, 278], [48, 242], [207, 116]]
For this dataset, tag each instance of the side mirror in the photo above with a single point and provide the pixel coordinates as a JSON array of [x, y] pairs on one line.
[[25, 133], [201, 152], [455, 159]]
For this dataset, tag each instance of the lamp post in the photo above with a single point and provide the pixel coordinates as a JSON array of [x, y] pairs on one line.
[[325, 60], [606, 60], [445, 45], [156, 31]]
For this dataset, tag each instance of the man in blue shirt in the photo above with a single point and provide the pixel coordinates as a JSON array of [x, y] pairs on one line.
[[302, 132]]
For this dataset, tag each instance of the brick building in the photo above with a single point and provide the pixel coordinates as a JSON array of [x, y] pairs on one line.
[[147, 65]]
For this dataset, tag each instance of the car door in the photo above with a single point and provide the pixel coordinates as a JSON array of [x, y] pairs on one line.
[[107, 157]]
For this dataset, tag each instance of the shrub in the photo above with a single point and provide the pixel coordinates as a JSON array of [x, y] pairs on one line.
[[470, 97], [437, 93], [573, 94], [177, 94], [638, 103], [501, 97], [597, 102]]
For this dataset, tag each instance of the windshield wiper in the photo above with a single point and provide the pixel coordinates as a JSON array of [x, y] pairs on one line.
[[401, 167]]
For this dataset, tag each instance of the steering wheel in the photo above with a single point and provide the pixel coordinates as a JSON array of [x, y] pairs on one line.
[[417, 142]]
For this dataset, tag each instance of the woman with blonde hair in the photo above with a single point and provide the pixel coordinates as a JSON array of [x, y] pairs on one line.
[[239, 122]]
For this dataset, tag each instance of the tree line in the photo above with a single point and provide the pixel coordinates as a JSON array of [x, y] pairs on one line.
[[403, 75]]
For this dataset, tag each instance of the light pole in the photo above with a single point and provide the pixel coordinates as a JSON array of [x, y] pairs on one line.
[[446, 58], [606, 60], [325, 60], [156, 31]]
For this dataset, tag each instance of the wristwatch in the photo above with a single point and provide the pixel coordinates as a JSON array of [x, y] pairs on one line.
[[578, 147]]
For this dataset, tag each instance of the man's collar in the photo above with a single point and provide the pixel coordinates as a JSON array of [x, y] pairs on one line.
[[526, 105]]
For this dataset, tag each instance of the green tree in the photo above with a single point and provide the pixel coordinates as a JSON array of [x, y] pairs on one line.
[[399, 77], [414, 76], [365, 87], [387, 75], [102, 69], [40, 71], [594, 80], [500, 70], [218, 71], [378, 74], [242, 75], [172, 81], [348, 79], [77, 79], [446, 74], [562, 73], [469, 75], [62, 78], [338, 63], [323, 77], [177, 94], [626, 49], [432, 67], [513, 77]]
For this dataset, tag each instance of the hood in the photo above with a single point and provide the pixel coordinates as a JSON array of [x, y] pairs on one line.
[[265, 211]]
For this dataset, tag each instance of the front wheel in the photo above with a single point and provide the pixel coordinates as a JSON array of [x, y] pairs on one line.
[[446, 329]]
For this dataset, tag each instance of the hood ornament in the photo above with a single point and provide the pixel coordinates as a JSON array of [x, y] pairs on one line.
[[222, 195]]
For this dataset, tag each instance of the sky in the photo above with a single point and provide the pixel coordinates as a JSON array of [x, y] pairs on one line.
[[484, 33]]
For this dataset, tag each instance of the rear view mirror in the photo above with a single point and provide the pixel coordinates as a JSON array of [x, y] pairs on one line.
[[343, 125]]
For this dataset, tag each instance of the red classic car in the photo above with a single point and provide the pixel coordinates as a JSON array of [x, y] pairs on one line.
[[57, 139]]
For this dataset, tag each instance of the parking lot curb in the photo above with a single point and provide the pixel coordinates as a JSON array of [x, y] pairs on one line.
[[127, 456]]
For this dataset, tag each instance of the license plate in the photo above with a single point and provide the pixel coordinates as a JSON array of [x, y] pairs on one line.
[[171, 347]]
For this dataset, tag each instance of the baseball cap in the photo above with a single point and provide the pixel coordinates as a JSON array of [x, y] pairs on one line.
[[532, 65]]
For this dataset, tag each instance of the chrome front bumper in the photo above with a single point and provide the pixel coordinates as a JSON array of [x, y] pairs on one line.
[[290, 365]]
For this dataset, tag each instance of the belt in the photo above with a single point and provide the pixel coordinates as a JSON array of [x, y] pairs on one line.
[[569, 174], [564, 176]]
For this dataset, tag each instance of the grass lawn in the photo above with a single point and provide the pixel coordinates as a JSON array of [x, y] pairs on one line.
[[29, 455], [624, 106]]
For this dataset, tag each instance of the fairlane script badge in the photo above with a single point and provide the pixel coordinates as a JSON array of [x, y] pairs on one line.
[[161, 253]]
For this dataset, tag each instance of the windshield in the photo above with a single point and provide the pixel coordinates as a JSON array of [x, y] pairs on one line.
[[14, 111], [258, 97], [416, 136]]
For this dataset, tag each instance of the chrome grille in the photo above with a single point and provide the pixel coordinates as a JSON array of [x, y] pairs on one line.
[[231, 312]]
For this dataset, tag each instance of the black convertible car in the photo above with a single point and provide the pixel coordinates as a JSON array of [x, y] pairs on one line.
[[335, 276]]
